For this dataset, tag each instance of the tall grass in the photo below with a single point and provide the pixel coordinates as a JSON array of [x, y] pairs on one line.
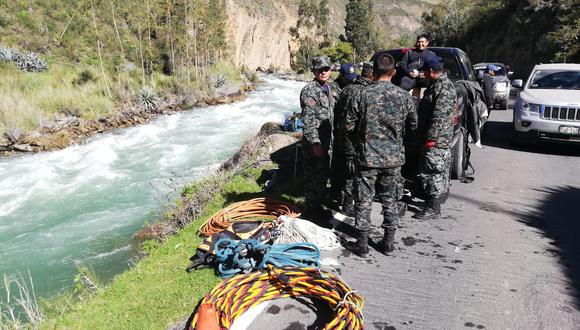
[[20, 309], [30, 99]]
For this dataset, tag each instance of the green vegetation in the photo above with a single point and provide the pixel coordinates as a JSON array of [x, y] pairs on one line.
[[520, 33], [359, 28], [367, 28], [101, 53]]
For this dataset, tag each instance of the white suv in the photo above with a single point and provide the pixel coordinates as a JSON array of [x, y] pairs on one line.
[[548, 106]]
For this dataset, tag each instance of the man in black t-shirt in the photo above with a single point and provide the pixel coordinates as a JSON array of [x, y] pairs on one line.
[[412, 61]]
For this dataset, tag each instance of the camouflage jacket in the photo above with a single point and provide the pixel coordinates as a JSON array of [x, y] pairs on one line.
[[348, 97], [379, 125], [335, 89], [437, 112], [317, 103]]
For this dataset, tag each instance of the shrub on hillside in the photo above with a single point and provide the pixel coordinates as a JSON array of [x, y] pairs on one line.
[[84, 77]]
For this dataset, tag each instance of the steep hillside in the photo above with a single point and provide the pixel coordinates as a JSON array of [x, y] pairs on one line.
[[520, 33], [259, 30], [401, 18], [104, 56]]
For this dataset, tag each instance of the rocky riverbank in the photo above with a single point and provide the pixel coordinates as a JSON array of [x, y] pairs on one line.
[[72, 130]]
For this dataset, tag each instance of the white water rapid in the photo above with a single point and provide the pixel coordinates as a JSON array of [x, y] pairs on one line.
[[82, 205]]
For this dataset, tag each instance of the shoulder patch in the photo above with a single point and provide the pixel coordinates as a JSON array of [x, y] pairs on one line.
[[310, 102]]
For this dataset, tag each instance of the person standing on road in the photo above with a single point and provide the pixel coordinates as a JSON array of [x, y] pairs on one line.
[[343, 166], [488, 86], [317, 103], [378, 124], [346, 76], [436, 122], [412, 61]]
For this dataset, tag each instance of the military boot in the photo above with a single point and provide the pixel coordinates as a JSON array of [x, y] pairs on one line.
[[402, 208], [431, 211], [443, 198], [361, 246], [388, 245]]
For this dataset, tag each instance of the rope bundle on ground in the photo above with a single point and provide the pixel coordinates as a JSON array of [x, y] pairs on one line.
[[233, 297], [294, 230], [245, 256], [258, 208]]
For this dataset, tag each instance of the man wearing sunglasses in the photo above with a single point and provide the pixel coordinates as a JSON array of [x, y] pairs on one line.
[[317, 103]]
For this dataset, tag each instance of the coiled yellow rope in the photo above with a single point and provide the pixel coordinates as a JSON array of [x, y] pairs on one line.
[[235, 296]]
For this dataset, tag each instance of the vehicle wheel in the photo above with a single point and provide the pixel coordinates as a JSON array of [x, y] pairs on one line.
[[503, 104], [458, 157]]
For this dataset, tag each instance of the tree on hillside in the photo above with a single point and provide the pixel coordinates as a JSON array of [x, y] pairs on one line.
[[517, 32], [359, 27], [447, 22], [310, 32]]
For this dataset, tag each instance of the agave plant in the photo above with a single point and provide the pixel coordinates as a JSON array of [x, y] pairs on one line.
[[218, 80], [148, 99], [5, 54], [29, 62]]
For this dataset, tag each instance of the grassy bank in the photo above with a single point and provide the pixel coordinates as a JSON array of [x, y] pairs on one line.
[[31, 99], [157, 292]]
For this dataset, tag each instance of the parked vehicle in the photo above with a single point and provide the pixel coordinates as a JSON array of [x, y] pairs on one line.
[[458, 67], [548, 106], [501, 82]]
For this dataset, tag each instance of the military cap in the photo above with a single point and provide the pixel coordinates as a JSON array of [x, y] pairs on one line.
[[320, 62], [347, 71], [432, 62]]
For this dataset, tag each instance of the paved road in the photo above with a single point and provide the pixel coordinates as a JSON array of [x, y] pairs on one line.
[[505, 255]]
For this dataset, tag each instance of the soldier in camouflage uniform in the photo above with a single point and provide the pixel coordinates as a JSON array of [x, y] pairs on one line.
[[317, 103], [436, 121], [378, 124], [343, 164], [346, 77]]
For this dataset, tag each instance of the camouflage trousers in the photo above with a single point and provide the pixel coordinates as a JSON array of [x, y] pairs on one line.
[[316, 171], [388, 183], [434, 170], [343, 172]]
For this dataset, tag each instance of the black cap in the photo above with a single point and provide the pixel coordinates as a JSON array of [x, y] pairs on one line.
[[432, 62]]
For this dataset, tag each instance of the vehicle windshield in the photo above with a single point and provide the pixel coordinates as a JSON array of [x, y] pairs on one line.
[[451, 65], [555, 79]]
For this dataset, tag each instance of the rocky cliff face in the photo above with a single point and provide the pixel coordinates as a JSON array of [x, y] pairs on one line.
[[260, 36], [259, 30]]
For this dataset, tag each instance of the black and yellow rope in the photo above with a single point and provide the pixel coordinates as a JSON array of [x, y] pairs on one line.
[[235, 296]]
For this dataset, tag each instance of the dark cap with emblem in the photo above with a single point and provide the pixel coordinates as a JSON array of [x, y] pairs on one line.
[[347, 71], [320, 62], [432, 62]]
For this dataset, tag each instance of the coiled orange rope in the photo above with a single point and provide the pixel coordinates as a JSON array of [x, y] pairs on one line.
[[233, 297], [257, 208]]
